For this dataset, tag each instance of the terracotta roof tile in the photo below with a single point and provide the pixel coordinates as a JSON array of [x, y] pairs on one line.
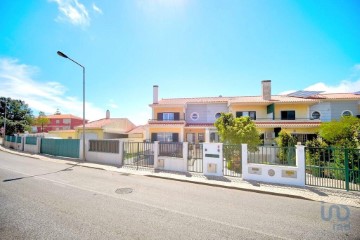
[[63, 116], [103, 122], [255, 99]]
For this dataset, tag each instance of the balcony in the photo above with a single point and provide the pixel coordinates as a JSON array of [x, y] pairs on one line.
[[166, 121]]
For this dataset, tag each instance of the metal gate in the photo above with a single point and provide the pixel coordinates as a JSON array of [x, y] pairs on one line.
[[61, 147], [232, 160], [333, 168], [195, 158], [138, 154]]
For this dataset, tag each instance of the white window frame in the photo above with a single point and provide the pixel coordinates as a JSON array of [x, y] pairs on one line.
[[194, 114], [168, 116], [66, 120]]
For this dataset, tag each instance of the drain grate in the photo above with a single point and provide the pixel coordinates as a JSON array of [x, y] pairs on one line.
[[124, 190]]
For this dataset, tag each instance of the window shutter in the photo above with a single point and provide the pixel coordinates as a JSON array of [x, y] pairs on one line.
[[153, 137], [175, 137], [159, 116], [176, 116], [239, 114]]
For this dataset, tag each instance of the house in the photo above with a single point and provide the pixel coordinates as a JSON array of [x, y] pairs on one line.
[[106, 128], [60, 121], [299, 113]]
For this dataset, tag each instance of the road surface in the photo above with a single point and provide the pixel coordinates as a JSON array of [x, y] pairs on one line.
[[49, 200]]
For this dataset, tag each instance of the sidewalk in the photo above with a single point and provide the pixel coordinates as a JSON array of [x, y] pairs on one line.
[[335, 196]]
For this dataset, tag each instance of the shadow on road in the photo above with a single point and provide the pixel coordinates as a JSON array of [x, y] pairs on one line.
[[37, 175]]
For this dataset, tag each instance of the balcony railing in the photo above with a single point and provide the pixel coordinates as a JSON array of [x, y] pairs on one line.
[[292, 120], [167, 120]]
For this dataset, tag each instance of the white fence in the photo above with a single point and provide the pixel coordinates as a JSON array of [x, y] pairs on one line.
[[112, 152]]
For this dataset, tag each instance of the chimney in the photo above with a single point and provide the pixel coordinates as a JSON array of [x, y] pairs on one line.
[[155, 94], [266, 89], [107, 114]]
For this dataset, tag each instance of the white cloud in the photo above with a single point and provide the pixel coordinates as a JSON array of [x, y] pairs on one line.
[[344, 86], [97, 9], [349, 85], [73, 11], [17, 82]]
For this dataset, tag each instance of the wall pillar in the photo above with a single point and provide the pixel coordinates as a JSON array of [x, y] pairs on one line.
[[300, 163], [244, 161], [156, 154]]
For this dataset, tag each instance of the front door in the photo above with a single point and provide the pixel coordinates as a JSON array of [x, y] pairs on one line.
[[190, 137]]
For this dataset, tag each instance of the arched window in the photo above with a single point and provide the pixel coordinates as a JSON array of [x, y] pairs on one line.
[[346, 113]]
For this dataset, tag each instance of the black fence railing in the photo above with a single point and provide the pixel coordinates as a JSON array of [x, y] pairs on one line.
[[138, 154], [195, 157], [171, 149], [106, 146], [232, 160]]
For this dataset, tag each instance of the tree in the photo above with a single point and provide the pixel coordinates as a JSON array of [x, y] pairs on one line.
[[42, 120], [343, 133], [18, 115], [343, 138], [237, 131], [286, 153]]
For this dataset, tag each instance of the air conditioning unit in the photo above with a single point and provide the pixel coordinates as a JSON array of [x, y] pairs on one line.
[[269, 135]]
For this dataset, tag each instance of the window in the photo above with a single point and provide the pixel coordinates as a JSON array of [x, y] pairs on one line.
[[194, 116], [168, 116], [346, 113], [66, 121], [214, 137], [201, 137], [165, 137], [251, 114], [287, 115], [315, 115], [57, 121], [217, 115]]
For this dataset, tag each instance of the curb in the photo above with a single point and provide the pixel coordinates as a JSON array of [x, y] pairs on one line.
[[233, 188]]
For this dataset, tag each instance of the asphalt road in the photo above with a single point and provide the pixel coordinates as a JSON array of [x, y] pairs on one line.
[[49, 200]]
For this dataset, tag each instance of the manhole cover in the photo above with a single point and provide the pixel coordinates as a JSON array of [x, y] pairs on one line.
[[124, 190]]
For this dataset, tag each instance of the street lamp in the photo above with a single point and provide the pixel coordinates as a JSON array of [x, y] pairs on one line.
[[65, 56], [4, 129]]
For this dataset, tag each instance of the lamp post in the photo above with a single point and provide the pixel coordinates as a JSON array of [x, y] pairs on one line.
[[4, 133], [83, 135]]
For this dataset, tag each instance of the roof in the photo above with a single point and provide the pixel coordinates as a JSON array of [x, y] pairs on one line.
[[180, 101], [258, 99], [101, 123], [138, 129], [337, 96], [63, 116]]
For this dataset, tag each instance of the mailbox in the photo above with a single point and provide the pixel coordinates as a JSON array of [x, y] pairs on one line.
[[213, 159]]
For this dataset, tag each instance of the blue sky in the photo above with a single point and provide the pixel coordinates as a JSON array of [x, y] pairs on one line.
[[190, 48]]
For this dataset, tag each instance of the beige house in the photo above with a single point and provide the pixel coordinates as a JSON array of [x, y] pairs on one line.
[[105, 128]]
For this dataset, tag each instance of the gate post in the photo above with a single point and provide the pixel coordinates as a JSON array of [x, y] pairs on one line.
[[346, 169], [300, 163], [156, 154]]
